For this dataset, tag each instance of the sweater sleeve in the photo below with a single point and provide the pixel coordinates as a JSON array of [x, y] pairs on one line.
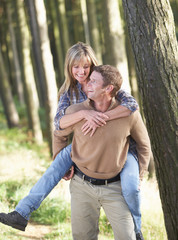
[[140, 135], [60, 140], [61, 137]]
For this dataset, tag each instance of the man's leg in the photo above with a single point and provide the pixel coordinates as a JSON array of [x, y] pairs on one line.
[[117, 211], [41, 189], [130, 189], [85, 210]]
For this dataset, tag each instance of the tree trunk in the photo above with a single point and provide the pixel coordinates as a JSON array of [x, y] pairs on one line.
[[15, 58], [59, 56], [77, 21], [63, 26], [153, 39], [7, 99], [37, 52], [115, 39], [93, 29], [85, 21], [174, 5], [50, 80], [31, 92]]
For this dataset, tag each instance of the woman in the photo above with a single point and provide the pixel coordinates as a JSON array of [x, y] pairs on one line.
[[79, 61]]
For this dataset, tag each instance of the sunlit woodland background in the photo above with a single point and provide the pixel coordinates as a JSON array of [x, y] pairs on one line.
[[139, 38]]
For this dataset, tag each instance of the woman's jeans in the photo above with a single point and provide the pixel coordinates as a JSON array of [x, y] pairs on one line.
[[58, 168]]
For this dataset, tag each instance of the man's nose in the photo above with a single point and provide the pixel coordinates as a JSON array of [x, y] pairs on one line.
[[88, 84]]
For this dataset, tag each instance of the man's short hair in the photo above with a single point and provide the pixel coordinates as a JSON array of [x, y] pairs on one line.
[[111, 76]]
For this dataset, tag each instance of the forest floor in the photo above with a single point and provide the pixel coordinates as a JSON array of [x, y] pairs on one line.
[[17, 166]]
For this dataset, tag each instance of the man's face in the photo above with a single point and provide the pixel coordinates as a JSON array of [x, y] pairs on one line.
[[95, 86]]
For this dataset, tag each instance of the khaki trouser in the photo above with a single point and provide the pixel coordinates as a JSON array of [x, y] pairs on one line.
[[86, 201]]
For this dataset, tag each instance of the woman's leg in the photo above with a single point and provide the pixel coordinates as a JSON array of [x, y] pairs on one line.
[[61, 164], [130, 189]]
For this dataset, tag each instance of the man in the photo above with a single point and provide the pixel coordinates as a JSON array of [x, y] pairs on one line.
[[99, 160]]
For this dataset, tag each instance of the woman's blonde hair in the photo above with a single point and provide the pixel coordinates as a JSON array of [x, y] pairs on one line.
[[75, 54]]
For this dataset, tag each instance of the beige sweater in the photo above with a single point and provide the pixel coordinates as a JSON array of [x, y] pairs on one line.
[[103, 155]]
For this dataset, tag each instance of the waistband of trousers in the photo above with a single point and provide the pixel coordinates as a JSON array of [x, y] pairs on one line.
[[95, 181]]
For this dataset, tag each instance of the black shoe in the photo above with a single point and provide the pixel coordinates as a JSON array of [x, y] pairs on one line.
[[139, 236], [14, 219]]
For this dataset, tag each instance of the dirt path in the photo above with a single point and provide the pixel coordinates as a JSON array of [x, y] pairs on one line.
[[34, 231]]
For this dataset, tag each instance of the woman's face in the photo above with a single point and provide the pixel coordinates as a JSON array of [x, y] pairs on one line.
[[81, 70]]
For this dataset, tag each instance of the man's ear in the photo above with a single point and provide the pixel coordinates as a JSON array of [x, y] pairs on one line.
[[109, 88]]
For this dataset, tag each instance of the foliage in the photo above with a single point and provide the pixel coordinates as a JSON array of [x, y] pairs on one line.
[[52, 211]]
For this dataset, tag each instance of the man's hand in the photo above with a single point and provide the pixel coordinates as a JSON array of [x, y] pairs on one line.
[[69, 174]]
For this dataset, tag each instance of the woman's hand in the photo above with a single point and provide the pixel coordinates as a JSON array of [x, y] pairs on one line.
[[94, 120]]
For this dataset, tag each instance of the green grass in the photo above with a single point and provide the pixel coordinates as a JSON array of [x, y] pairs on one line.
[[52, 211]]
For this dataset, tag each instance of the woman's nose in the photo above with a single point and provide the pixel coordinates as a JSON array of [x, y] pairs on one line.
[[81, 70]]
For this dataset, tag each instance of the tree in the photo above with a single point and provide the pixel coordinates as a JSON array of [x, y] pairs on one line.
[[114, 38], [93, 29], [38, 65], [7, 98], [50, 80], [30, 86], [77, 22], [63, 25], [15, 58], [54, 27], [152, 33]]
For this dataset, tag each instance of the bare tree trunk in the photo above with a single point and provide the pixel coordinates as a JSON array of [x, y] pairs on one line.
[[93, 29], [7, 99], [15, 58], [115, 39], [63, 26], [59, 56], [37, 52], [50, 80], [78, 28], [31, 92], [174, 5], [153, 39], [85, 21]]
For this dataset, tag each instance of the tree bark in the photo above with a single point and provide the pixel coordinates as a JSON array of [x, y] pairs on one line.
[[78, 28], [50, 80], [115, 39], [85, 20], [7, 98], [152, 34], [31, 92], [15, 58], [37, 52], [93, 29], [59, 56], [63, 26]]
